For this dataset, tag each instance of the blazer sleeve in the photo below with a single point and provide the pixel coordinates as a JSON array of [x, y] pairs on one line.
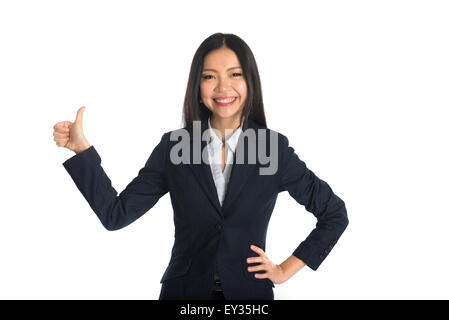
[[318, 198], [140, 195]]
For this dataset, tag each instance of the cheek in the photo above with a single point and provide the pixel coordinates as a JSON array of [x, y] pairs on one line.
[[241, 89], [206, 90]]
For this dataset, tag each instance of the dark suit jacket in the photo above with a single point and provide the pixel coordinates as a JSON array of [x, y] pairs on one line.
[[205, 232]]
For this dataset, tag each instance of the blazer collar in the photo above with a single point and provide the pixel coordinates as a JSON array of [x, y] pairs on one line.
[[239, 174], [231, 141]]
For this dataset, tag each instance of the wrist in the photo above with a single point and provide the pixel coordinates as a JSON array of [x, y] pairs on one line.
[[84, 146], [283, 273], [290, 266]]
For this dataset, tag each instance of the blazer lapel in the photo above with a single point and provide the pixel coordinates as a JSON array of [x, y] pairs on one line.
[[239, 174], [204, 176]]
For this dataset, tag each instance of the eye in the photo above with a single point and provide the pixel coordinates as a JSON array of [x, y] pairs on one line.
[[206, 76], [237, 73]]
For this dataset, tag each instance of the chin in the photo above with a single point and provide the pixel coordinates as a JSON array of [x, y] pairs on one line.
[[226, 113]]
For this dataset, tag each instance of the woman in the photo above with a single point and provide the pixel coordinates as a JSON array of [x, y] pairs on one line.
[[221, 206]]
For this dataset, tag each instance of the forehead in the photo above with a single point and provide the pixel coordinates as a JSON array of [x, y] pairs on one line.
[[221, 58]]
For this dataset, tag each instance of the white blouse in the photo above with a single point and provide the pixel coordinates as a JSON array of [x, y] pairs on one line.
[[214, 145]]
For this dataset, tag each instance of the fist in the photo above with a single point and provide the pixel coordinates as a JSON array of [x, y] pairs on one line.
[[70, 135]]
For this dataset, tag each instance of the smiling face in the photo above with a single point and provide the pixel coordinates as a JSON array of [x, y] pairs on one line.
[[223, 87]]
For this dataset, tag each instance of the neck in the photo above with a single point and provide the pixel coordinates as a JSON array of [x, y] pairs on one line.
[[222, 124]]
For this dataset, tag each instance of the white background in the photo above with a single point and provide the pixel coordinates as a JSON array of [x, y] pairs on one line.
[[360, 88]]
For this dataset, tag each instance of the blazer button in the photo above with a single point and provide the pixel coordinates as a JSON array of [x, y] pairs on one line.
[[218, 226]]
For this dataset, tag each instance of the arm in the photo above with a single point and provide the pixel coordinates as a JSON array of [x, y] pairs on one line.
[[318, 198], [291, 266], [140, 195]]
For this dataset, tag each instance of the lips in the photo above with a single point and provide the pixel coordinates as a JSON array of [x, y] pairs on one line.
[[225, 101]]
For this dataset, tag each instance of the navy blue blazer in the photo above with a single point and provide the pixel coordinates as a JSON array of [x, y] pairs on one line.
[[205, 232]]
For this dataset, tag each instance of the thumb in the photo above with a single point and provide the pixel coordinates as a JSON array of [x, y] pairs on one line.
[[79, 116]]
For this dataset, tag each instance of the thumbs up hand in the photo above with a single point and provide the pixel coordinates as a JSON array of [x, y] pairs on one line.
[[70, 134]]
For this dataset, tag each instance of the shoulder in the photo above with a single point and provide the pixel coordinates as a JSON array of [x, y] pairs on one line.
[[272, 136], [172, 136], [262, 131]]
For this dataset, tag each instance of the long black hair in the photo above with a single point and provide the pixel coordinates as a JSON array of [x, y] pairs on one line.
[[253, 108]]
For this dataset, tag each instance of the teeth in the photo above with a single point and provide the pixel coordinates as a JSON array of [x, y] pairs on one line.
[[225, 100]]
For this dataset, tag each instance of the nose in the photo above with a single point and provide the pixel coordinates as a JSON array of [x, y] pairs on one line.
[[222, 85]]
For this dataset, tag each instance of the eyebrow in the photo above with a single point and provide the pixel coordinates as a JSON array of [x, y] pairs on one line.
[[208, 69]]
